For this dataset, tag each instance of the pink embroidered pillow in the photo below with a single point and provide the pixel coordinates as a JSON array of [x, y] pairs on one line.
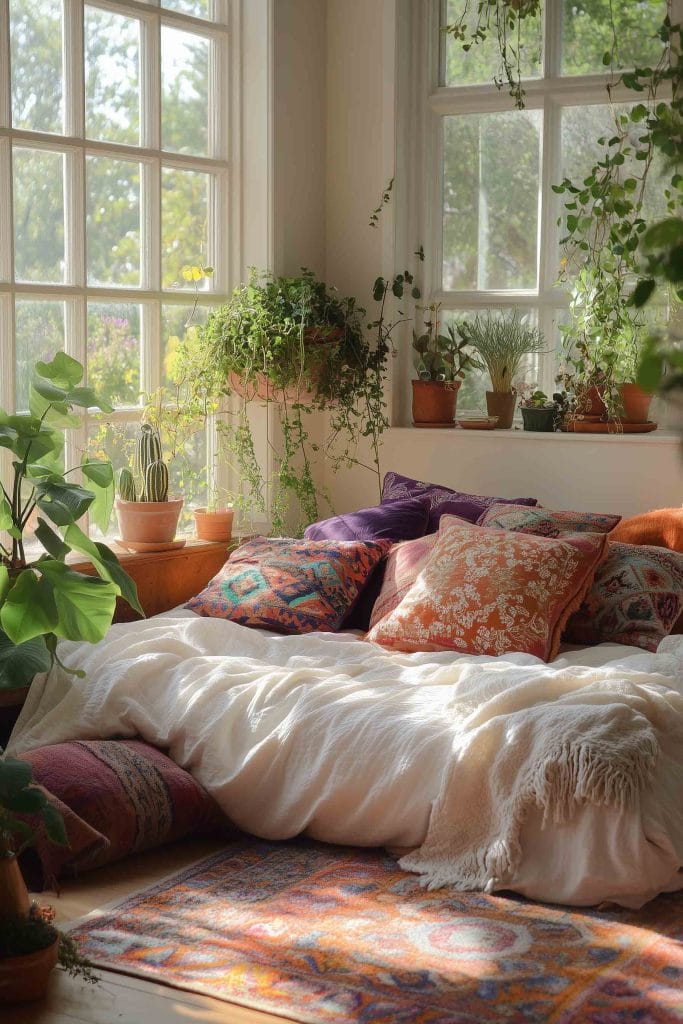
[[546, 522], [488, 591], [404, 564], [290, 586]]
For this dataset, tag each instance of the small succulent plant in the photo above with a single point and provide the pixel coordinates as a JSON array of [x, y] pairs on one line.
[[149, 476]]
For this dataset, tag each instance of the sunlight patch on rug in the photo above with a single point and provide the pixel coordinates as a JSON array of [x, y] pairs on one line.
[[330, 935]]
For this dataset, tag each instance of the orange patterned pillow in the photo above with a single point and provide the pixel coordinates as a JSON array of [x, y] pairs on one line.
[[489, 591], [404, 564]]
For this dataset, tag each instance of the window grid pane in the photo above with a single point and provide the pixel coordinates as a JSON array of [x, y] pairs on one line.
[[83, 218]]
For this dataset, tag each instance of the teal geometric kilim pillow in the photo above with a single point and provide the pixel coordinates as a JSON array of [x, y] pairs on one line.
[[635, 599], [290, 586]]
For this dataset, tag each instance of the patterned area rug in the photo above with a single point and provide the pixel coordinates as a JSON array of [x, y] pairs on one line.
[[323, 934]]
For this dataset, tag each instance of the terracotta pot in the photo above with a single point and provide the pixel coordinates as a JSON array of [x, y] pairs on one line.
[[262, 390], [148, 522], [434, 402], [538, 419], [14, 901], [216, 526], [501, 404], [23, 979], [636, 403]]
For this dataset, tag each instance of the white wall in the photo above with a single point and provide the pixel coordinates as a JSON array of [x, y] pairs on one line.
[[613, 474]]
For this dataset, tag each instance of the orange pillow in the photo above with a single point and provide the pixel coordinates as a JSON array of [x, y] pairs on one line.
[[489, 591], [662, 528]]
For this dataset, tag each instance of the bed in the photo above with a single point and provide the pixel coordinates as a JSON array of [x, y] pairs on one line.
[[560, 781]]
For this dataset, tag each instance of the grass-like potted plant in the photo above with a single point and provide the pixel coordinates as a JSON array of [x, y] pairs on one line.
[[441, 362], [43, 600], [502, 342], [147, 517]]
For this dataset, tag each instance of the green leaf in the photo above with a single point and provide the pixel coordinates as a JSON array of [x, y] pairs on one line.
[[51, 541], [54, 825], [29, 609], [14, 775], [85, 604], [25, 801], [106, 563], [4, 582], [87, 399], [5, 515], [56, 414], [642, 292], [98, 471], [63, 371], [19, 663], [63, 503]]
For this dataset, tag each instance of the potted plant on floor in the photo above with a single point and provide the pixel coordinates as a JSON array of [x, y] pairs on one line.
[[502, 342], [43, 600], [147, 518], [441, 362]]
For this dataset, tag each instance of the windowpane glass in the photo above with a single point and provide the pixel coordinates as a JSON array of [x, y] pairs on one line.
[[184, 91], [198, 8], [490, 204], [112, 77], [582, 127], [39, 334], [36, 50], [177, 324], [114, 351], [184, 224], [188, 477], [588, 28], [481, 63], [113, 221], [38, 181]]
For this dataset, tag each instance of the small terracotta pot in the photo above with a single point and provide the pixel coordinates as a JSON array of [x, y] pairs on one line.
[[14, 901], [636, 403], [501, 404], [215, 526], [148, 522], [23, 979], [434, 402]]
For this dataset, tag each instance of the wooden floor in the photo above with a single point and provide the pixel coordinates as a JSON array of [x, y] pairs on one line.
[[118, 999]]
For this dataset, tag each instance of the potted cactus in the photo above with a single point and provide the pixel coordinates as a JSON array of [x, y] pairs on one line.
[[147, 518]]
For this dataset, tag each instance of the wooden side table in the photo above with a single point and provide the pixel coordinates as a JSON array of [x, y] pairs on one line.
[[167, 578]]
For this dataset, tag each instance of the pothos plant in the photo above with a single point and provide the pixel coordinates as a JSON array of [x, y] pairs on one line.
[[301, 348], [605, 227]]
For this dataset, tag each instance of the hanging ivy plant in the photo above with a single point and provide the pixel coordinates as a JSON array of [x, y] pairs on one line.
[[502, 19]]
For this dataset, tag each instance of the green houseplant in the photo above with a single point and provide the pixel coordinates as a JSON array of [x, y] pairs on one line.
[[441, 362], [502, 342], [540, 413], [147, 517], [295, 345], [42, 600]]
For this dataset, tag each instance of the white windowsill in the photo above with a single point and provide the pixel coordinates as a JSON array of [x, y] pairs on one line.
[[659, 437]]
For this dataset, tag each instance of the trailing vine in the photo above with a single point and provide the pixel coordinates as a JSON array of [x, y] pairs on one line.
[[503, 19]]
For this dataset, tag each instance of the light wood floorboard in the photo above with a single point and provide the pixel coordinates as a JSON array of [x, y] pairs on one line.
[[119, 999]]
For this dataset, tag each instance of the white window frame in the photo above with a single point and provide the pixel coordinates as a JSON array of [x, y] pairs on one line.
[[423, 102], [225, 73]]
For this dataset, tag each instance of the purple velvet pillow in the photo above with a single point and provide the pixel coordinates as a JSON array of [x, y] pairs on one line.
[[442, 500], [405, 519], [401, 519]]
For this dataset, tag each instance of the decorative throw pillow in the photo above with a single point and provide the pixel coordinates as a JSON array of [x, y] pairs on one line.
[[393, 520], [442, 500], [487, 591], [404, 564], [126, 792], [546, 522], [663, 527], [291, 586], [635, 599]]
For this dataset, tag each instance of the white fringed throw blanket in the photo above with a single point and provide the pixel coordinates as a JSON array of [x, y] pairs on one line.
[[332, 736]]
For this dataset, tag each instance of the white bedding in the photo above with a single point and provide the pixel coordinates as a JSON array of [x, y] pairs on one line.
[[329, 735]]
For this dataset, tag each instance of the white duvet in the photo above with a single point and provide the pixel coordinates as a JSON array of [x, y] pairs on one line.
[[561, 781]]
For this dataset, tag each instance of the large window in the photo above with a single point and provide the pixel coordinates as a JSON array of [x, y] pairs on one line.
[[114, 174], [490, 215]]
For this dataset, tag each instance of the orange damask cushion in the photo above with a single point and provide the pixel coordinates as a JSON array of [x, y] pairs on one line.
[[489, 591], [663, 528]]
